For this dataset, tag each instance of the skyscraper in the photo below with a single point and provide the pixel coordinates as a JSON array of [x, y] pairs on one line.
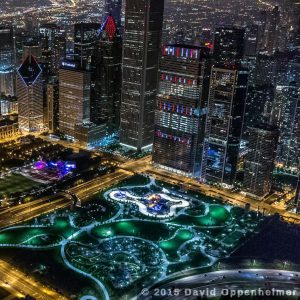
[[229, 44], [181, 109], [53, 42], [259, 160], [30, 95], [272, 30], [251, 40], [107, 77], [52, 110], [85, 38], [141, 50], [289, 144], [226, 105], [114, 8], [74, 97], [75, 106], [7, 61]]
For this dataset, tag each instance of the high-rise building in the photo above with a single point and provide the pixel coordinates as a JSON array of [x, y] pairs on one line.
[[272, 30], [107, 77], [7, 61], [259, 160], [265, 71], [85, 39], [75, 107], [53, 43], [114, 8], [226, 105], [181, 109], [30, 95], [52, 110], [259, 105], [251, 40], [289, 122], [141, 51], [74, 97], [229, 44]]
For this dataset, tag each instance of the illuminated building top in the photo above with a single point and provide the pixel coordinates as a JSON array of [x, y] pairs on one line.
[[109, 28], [29, 70]]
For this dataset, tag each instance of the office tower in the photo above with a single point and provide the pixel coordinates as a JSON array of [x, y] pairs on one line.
[[259, 160], [30, 95], [53, 43], [280, 99], [289, 142], [114, 8], [7, 61], [107, 77], [262, 23], [272, 30], [52, 111], [259, 105], [85, 38], [251, 40], [21, 38], [181, 109], [226, 104], [141, 50], [229, 45], [74, 106], [74, 97], [265, 70]]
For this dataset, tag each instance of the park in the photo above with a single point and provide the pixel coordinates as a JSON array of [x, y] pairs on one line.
[[133, 235]]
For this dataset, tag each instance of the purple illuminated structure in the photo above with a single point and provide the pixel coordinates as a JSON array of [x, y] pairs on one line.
[[58, 168]]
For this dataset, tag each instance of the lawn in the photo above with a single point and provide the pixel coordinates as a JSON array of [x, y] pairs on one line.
[[16, 183]]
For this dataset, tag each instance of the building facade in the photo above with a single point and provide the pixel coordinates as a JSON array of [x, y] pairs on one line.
[[107, 77], [289, 123], [53, 43], [30, 96], [141, 51], [9, 130], [260, 160], [74, 97], [85, 38], [229, 44], [52, 111], [226, 105], [181, 109]]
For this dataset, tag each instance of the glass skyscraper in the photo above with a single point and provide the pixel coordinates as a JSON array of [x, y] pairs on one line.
[[259, 160], [181, 109], [226, 105], [30, 95], [141, 50], [107, 77]]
